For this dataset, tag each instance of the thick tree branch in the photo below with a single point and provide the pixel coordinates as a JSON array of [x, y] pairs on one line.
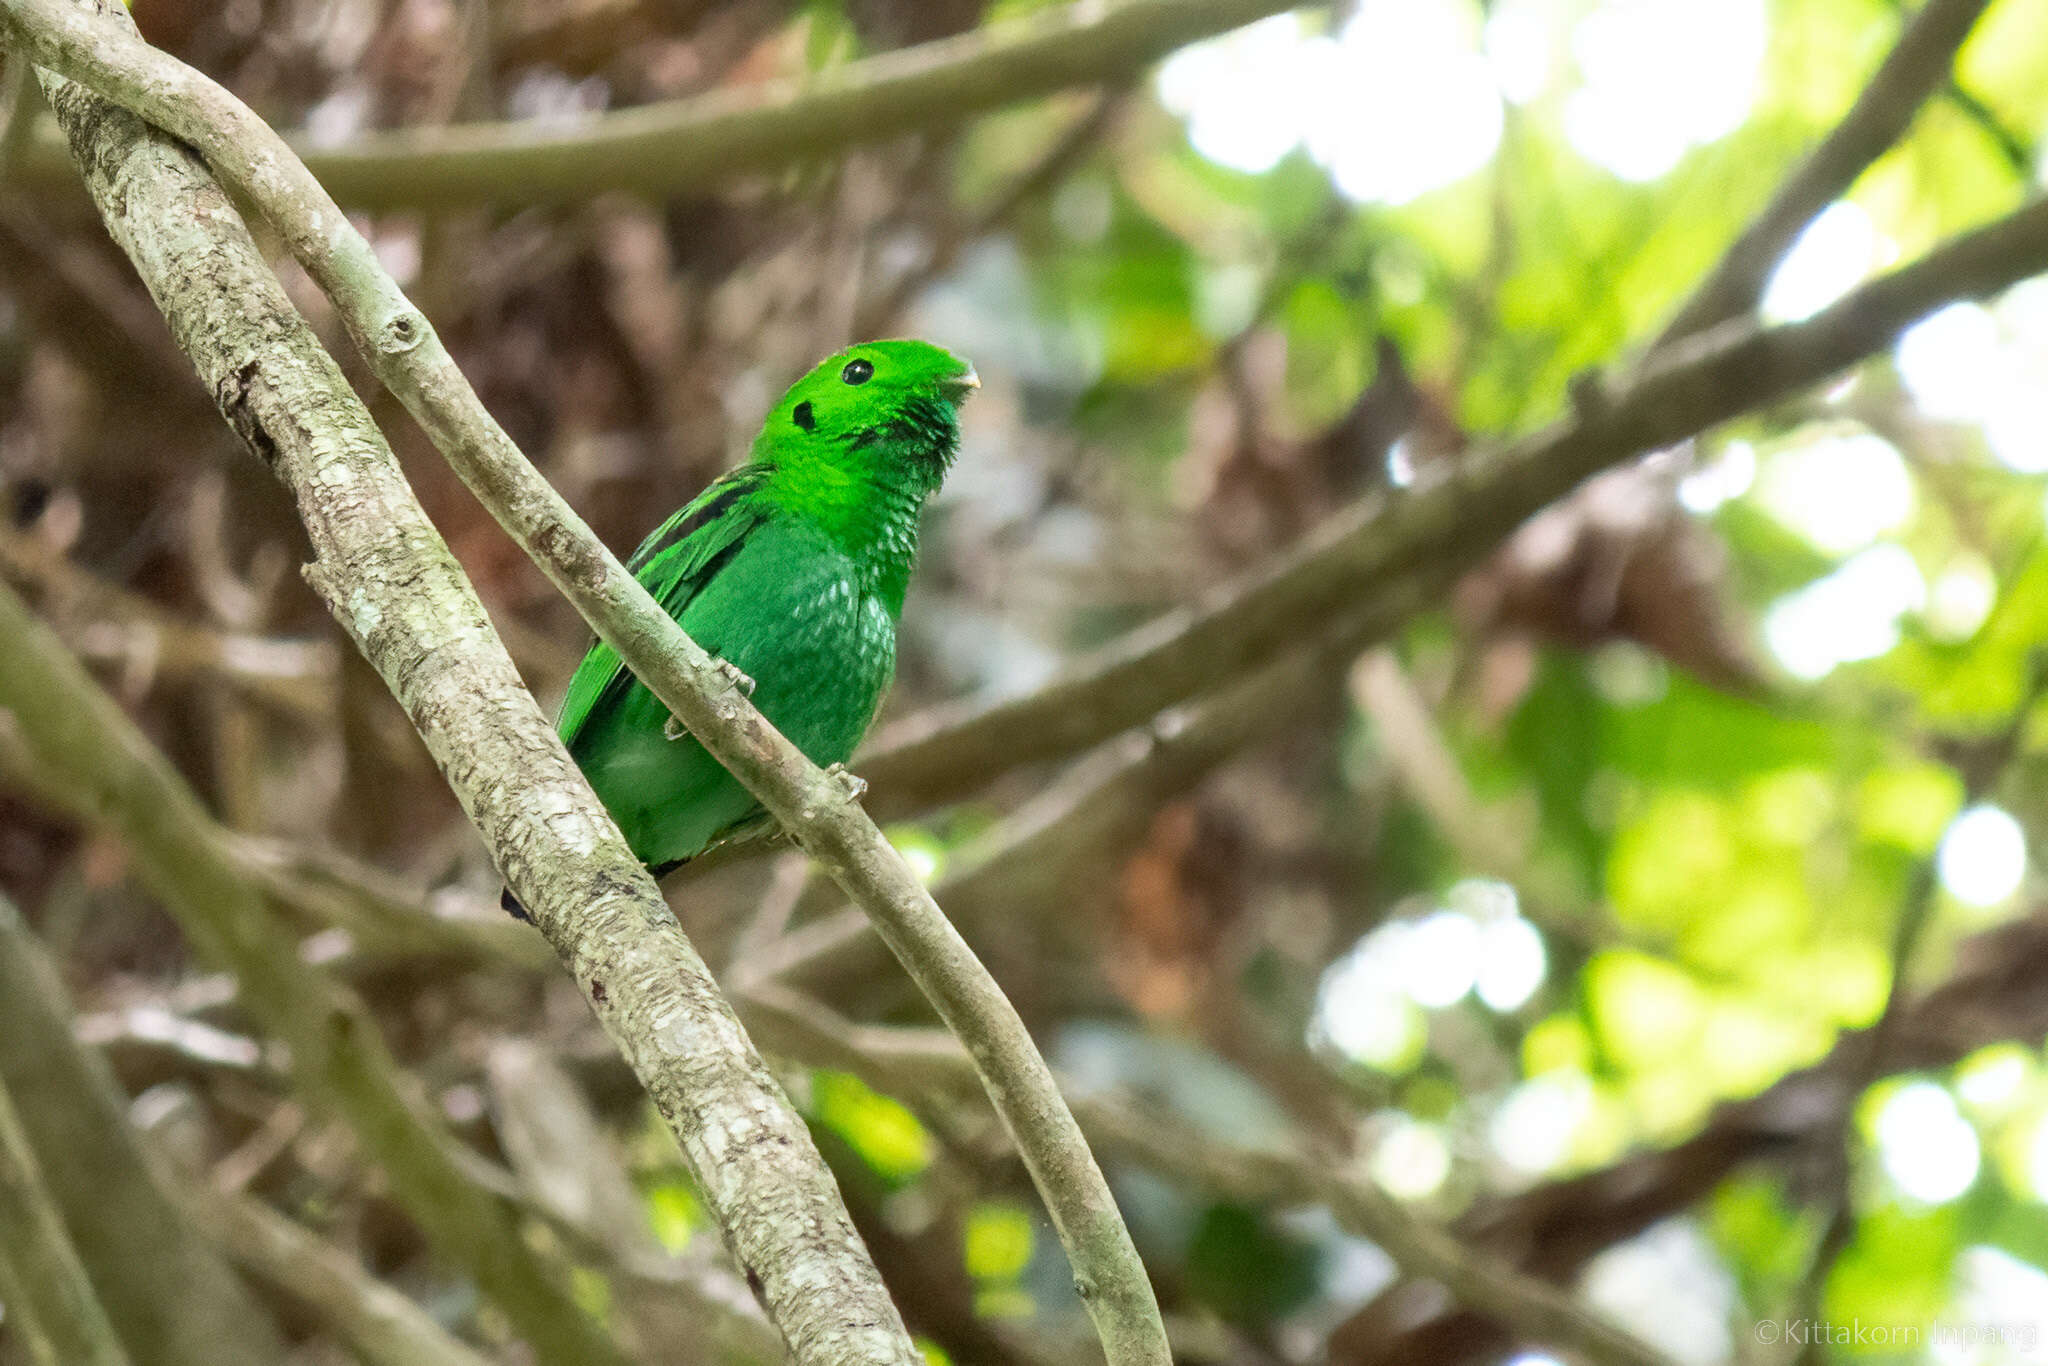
[[1916, 69], [664, 149], [395, 586], [818, 807], [172, 1299], [1337, 584]]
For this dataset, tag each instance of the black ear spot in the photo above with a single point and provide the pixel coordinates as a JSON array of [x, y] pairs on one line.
[[802, 416]]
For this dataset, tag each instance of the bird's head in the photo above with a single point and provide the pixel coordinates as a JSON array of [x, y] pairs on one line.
[[890, 407]]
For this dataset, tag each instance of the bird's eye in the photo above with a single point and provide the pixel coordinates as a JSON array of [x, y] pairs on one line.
[[858, 372]]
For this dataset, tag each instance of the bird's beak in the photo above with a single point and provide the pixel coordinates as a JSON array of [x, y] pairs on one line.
[[958, 386]]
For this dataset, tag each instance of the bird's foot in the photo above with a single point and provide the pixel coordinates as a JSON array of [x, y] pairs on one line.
[[851, 783], [672, 729], [733, 677]]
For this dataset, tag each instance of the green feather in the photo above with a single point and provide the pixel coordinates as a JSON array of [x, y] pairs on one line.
[[791, 567]]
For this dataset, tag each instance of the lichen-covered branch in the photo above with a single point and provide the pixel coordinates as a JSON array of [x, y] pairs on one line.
[[393, 583], [817, 807], [664, 149], [1340, 582]]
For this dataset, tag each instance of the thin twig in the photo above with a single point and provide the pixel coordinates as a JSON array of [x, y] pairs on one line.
[[818, 807], [106, 623], [2011, 147], [877, 317]]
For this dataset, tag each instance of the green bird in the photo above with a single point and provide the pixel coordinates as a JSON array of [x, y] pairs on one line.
[[791, 569]]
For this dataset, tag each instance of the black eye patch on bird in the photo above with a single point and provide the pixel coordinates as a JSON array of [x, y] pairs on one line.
[[803, 417], [858, 371]]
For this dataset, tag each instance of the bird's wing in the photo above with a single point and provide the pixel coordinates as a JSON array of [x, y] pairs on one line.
[[674, 563]]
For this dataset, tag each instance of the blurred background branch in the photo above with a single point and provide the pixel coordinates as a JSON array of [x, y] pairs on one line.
[[47, 1291], [664, 149]]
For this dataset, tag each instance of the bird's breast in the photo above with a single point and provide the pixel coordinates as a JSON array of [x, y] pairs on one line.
[[821, 661]]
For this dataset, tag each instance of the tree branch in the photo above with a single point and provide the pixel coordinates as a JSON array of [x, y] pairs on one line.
[[664, 149], [1392, 545], [398, 590], [819, 808], [1916, 69]]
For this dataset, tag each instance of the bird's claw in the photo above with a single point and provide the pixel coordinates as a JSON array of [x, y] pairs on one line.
[[732, 675], [734, 679], [851, 783]]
